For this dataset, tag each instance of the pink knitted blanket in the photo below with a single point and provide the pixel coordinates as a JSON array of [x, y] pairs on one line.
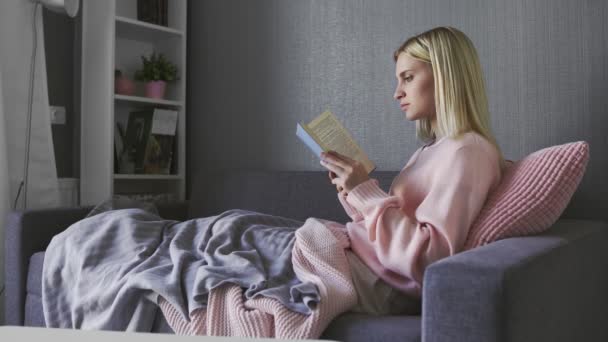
[[318, 256]]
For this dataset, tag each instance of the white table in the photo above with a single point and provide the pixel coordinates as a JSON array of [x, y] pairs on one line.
[[22, 334]]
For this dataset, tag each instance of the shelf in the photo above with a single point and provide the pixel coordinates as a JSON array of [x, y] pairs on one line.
[[147, 177], [132, 29], [140, 99]]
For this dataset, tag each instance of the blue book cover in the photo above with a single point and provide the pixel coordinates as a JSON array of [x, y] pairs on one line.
[[308, 140], [326, 133]]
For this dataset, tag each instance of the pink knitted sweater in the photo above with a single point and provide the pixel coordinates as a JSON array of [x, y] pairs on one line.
[[427, 212]]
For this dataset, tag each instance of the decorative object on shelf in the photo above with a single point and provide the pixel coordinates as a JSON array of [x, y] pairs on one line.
[[122, 84], [123, 159], [149, 140], [159, 149], [153, 11], [157, 70]]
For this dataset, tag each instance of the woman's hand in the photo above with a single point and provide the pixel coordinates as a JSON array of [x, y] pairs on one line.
[[344, 172]]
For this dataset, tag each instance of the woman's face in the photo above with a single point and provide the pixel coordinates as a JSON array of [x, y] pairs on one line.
[[415, 88]]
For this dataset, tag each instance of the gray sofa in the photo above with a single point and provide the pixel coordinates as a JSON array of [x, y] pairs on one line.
[[548, 287]]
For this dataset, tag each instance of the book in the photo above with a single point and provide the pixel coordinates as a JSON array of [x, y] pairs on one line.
[[326, 133], [152, 11], [160, 146], [136, 138]]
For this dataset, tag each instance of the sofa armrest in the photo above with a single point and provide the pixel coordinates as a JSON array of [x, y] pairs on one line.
[[548, 287], [30, 231]]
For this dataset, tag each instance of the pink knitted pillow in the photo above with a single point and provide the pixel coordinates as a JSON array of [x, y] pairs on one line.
[[532, 195]]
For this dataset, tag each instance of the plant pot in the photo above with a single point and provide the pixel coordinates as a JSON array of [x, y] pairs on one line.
[[124, 86], [156, 89]]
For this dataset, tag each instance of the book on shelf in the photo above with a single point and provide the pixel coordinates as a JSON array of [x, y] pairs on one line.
[[326, 133], [150, 139], [153, 11]]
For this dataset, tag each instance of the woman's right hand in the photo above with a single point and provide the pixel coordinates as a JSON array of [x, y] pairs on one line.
[[332, 175]]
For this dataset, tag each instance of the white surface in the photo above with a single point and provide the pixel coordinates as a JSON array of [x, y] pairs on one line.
[[66, 335], [150, 177], [97, 110], [139, 99], [138, 30]]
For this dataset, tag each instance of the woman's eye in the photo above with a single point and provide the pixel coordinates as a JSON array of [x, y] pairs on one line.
[[409, 78]]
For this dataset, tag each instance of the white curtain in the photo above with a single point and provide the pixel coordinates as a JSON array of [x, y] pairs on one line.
[[17, 37], [16, 46], [4, 192]]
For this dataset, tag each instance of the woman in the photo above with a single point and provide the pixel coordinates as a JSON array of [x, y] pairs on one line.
[[434, 200]]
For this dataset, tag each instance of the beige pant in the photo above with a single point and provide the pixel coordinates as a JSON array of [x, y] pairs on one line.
[[374, 295]]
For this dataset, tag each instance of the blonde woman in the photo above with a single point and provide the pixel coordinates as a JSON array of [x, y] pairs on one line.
[[432, 203]]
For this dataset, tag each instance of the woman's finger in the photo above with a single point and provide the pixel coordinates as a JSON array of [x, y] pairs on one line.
[[334, 159], [332, 167], [332, 175]]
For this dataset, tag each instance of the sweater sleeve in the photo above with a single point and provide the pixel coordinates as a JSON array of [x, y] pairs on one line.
[[353, 213], [406, 245]]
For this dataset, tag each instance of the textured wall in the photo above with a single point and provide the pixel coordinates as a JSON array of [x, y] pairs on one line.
[[258, 67]]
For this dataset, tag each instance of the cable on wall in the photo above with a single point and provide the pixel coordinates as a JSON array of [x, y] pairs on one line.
[[26, 162]]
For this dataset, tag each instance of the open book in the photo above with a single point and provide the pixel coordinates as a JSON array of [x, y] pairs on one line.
[[326, 133]]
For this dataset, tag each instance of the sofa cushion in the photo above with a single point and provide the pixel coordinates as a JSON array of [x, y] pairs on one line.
[[355, 327], [532, 194], [34, 274]]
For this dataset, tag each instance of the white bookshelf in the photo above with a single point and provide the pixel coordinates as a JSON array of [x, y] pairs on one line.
[[148, 177], [113, 38], [134, 29], [141, 99]]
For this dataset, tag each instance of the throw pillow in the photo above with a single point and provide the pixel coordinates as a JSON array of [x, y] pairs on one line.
[[532, 195]]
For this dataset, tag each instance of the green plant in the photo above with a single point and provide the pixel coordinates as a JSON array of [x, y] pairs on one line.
[[156, 67]]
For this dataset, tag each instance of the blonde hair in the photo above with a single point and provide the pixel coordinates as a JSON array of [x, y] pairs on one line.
[[460, 95]]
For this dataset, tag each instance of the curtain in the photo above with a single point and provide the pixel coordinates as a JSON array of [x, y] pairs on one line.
[[4, 193], [16, 46]]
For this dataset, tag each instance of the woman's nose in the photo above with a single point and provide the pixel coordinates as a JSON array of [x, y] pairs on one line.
[[398, 94]]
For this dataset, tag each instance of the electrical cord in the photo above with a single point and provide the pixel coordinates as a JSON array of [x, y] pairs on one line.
[[26, 162]]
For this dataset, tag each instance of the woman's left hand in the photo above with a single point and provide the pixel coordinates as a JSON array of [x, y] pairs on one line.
[[349, 172]]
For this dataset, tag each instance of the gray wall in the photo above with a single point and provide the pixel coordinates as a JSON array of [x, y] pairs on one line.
[[255, 68], [61, 68]]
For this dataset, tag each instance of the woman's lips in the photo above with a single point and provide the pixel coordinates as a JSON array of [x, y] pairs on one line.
[[404, 106]]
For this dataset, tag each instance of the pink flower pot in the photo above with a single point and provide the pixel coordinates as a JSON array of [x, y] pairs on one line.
[[124, 86], [156, 89]]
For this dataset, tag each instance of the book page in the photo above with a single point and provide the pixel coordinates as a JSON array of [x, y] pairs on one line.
[[331, 135]]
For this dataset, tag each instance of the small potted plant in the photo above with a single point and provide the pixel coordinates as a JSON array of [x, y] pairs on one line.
[[122, 84], [156, 71]]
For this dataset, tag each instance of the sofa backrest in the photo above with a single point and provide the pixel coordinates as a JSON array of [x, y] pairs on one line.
[[293, 194]]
